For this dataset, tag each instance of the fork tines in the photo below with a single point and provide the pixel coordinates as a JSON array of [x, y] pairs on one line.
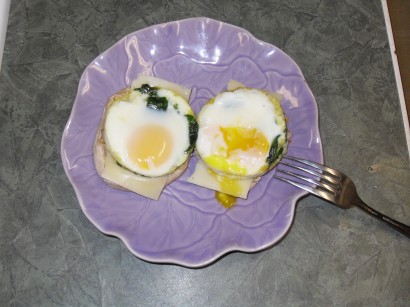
[[309, 176]]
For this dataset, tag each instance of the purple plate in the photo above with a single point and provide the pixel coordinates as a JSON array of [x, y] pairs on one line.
[[186, 225]]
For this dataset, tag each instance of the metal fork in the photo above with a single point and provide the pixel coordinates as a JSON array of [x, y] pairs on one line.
[[331, 185]]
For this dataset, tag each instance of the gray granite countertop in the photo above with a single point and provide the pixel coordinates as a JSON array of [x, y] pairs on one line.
[[50, 253]]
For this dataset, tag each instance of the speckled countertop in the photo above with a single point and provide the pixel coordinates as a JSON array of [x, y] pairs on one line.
[[50, 254]]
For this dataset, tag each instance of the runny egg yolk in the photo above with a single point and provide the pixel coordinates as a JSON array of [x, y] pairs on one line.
[[150, 146], [242, 146], [246, 139]]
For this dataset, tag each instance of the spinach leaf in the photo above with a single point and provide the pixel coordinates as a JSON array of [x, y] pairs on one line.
[[149, 90], [275, 151], [153, 101], [157, 103], [193, 131]]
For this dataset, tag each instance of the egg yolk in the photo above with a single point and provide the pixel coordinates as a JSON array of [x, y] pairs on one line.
[[246, 139], [150, 146], [242, 146]]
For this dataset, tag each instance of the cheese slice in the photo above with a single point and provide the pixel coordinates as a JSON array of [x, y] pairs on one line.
[[150, 187], [206, 178], [233, 85]]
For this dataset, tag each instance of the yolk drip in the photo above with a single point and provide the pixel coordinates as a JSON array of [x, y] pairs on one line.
[[228, 186], [225, 200], [245, 139], [150, 146], [250, 140]]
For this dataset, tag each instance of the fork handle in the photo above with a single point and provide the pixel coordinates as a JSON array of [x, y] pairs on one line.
[[404, 229]]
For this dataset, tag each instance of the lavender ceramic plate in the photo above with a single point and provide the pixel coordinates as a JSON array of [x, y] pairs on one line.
[[187, 226]]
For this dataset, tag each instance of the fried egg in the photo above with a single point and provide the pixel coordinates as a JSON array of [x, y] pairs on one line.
[[151, 132], [242, 133]]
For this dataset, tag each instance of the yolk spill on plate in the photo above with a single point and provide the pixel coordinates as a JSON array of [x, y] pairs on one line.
[[225, 200]]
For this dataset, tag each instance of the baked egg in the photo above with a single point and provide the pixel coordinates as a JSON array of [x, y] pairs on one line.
[[242, 135], [151, 131]]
